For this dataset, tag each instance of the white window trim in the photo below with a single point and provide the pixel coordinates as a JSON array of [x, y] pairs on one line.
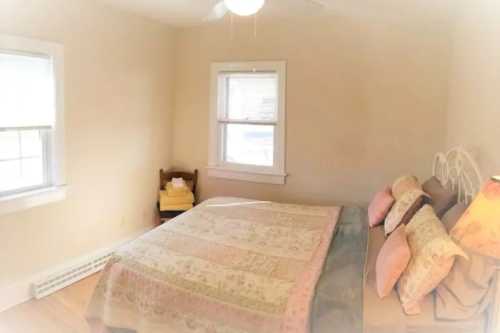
[[57, 190], [219, 169]]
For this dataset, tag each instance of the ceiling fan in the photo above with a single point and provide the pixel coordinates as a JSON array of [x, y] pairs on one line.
[[243, 8]]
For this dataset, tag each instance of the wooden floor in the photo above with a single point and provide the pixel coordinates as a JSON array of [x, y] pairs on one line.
[[62, 312]]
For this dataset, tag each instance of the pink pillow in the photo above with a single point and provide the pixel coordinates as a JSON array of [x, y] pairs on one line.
[[380, 207], [392, 261]]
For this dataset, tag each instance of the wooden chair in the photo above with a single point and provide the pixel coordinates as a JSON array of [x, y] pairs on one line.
[[191, 181]]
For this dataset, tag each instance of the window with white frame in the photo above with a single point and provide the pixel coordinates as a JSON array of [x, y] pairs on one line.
[[247, 140], [31, 128]]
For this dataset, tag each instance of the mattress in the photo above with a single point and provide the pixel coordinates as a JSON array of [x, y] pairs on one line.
[[386, 315]]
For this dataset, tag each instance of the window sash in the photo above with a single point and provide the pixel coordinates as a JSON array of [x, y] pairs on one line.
[[46, 134], [223, 91], [223, 119], [34, 76], [222, 150], [25, 128], [248, 122]]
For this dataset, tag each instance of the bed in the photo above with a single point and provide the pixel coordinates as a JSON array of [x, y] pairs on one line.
[[237, 265], [227, 265]]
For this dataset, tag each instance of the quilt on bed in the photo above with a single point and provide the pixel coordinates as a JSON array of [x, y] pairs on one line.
[[228, 265]]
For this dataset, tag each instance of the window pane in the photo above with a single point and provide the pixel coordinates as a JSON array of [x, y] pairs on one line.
[[31, 143], [20, 174], [9, 145], [252, 96], [9, 175], [32, 172], [27, 89], [249, 144], [21, 160]]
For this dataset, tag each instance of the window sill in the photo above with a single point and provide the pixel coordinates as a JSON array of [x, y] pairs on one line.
[[23, 201], [248, 176]]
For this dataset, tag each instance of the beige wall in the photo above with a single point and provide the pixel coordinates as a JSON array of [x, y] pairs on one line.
[[118, 82], [366, 100], [474, 105]]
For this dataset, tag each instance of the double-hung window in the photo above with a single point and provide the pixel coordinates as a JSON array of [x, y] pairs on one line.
[[30, 123], [247, 140]]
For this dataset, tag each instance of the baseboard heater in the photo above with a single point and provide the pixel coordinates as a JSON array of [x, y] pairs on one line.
[[70, 274]]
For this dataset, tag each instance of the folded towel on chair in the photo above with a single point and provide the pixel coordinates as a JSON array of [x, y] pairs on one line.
[[176, 208], [167, 200], [178, 182], [174, 191]]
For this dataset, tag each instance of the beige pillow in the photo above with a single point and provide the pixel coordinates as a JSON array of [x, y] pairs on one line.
[[403, 185], [433, 254], [404, 209]]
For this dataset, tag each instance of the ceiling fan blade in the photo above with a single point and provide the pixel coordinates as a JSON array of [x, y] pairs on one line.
[[218, 12]]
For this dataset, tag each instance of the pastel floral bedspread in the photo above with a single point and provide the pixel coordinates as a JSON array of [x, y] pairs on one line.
[[228, 265]]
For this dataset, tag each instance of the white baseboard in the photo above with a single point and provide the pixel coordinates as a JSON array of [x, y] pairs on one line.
[[21, 291]]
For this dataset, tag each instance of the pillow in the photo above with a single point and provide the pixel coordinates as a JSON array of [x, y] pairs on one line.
[[392, 261], [433, 254], [379, 207], [468, 289], [404, 209], [479, 228], [442, 198], [453, 215], [403, 185]]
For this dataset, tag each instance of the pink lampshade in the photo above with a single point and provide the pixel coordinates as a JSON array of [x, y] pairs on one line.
[[479, 228]]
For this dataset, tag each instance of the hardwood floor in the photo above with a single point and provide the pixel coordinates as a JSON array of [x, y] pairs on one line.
[[62, 312]]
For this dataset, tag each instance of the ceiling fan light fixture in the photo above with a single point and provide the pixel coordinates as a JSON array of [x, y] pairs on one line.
[[244, 7]]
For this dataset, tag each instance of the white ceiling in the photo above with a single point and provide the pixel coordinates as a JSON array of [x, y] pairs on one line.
[[192, 12]]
